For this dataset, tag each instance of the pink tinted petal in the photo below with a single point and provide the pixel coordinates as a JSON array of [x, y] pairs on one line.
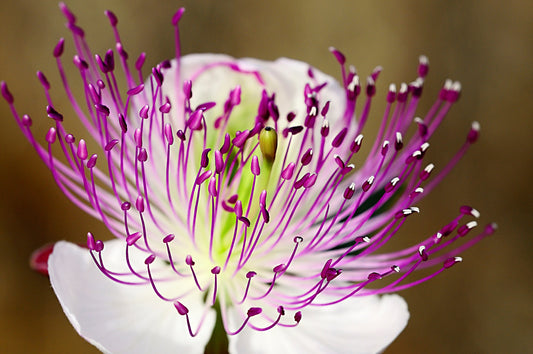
[[117, 318], [357, 325]]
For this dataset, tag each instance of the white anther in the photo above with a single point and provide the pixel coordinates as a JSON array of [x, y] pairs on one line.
[[403, 87], [423, 60], [456, 86], [476, 126], [351, 166], [352, 186], [392, 88], [354, 83], [370, 81], [415, 209], [419, 190], [407, 211], [421, 249], [370, 180], [385, 144], [416, 153], [325, 123], [313, 111], [366, 239], [396, 268], [458, 259], [471, 225], [424, 147], [359, 139], [429, 168], [394, 181], [448, 84], [399, 138], [418, 120], [475, 213], [439, 235]]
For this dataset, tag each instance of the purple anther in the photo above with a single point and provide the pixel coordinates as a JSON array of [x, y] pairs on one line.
[[451, 262], [189, 261], [233, 199], [92, 161], [300, 183], [423, 66], [491, 228], [219, 162], [139, 204], [361, 239], [241, 138], [298, 316], [143, 155], [465, 229], [338, 55], [182, 309], [337, 141], [238, 208], [226, 145], [288, 171], [158, 76], [310, 181], [279, 268], [422, 253], [424, 175], [291, 116], [325, 109], [177, 16], [52, 113], [165, 108], [168, 238], [181, 135], [262, 197], [391, 95], [187, 89], [203, 177], [109, 60], [70, 139], [307, 157], [385, 148], [273, 110], [356, 144], [136, 90], [416, 87], [168, 133], [212, 186], [111, 144], [332, 273], [468, 210], [131, 239], [255, 166], [195, 120], [102, 109], [101, 64], [204, 161], [125, 206], [264, 213], [206, 106], [150, 259], [368, 183], [254, 311], [215, 270], [5, 93], [143, 112], [473, 134], [140, 61], [448, 229], [91, 244], [122, 122], [95, 95], [339, 162], [80, 63], [138, 137], [99, 246], [235, 96], [398, 144], [51, 135], [370, 87], [44, 80], [112, 18], [67, 13], [281, 310], [100, 84], [374, 276], [251, 274], [325, 268], [324, 131], [349, 192], [295, 129], [390, 186], [58, 49], [309, 121]]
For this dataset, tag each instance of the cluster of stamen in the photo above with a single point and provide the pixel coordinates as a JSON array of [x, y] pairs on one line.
[[275, 213]]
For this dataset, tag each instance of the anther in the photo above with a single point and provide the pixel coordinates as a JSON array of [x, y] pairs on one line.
[[139, 204], [426, 172], [337, 141], [422, 252], [468, 210], [473, 134], [423, 66], [131, 239], [368, 183], [349, 192], [52, 113], [398, 145], [51, 135], [168, 238], [452, 261], [464, 229], [92, 161]]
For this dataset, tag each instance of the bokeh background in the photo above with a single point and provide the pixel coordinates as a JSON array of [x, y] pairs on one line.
[[484, 305]]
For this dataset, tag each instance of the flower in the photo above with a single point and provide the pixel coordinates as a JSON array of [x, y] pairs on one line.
[[240, 220]]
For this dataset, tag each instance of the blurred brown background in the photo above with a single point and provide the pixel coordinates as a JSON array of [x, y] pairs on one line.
[[483, 305]]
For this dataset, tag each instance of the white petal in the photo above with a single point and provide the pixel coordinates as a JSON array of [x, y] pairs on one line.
[[357, 325], [120, 318]]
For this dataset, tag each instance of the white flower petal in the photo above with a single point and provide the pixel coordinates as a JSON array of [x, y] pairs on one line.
[[120, 318], [357, 325]]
